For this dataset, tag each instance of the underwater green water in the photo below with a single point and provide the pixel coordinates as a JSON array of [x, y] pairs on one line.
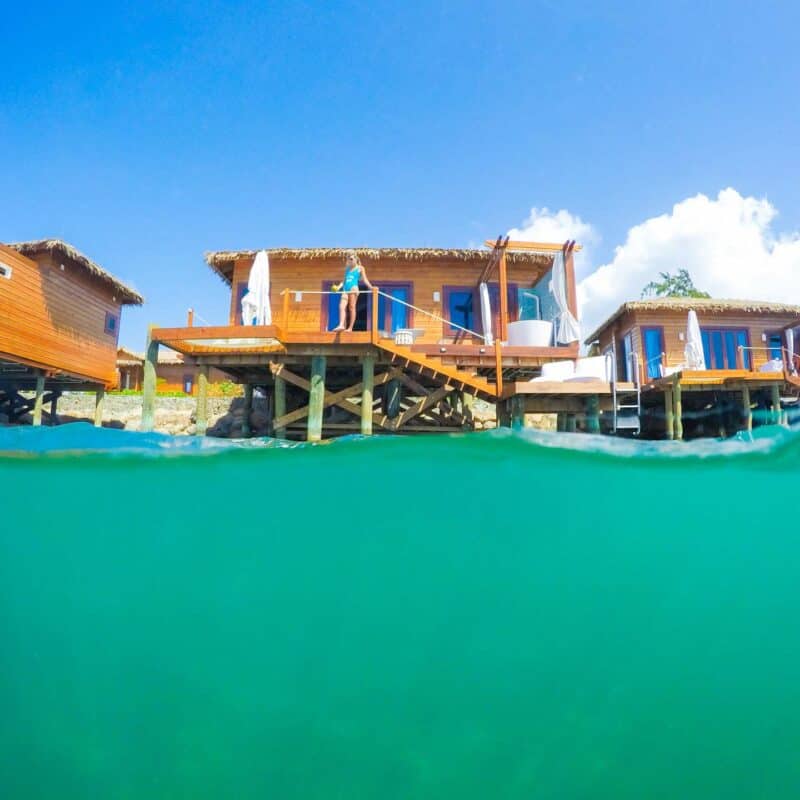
[[457, 617]]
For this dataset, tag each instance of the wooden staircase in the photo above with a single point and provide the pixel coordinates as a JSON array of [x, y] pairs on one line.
[[432, 367]]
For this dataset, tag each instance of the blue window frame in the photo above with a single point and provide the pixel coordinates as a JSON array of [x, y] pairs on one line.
[[111, 326], [653, 339], [392, 314], [461, 308], [720, 346], [775, 345]]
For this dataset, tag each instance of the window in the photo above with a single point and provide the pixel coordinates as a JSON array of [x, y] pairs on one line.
[[653, 339], [5, 271], [528, 303], [721, 346], [460, 303], [775, 345], [392, 314], [625, 354], [462, 306], [111, 324], [241, 291], [188, 383]]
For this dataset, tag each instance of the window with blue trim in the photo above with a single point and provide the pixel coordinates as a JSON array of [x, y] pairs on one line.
[[112, 324], [775, 345], [721, 346], [461, 308]]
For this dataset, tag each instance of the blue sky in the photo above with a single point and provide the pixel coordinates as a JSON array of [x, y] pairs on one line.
[[148, 133]]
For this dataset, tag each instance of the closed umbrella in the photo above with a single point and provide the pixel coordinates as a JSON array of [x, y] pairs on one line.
[[693, 352], [256, 309], [567, 327], [486, 314], [790, 350]]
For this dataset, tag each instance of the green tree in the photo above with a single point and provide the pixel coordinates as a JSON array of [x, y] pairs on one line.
[[678, 285]]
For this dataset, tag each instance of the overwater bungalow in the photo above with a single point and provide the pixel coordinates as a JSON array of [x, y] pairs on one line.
[[438, 328], [173, 372], [745, 362], [59, 325]]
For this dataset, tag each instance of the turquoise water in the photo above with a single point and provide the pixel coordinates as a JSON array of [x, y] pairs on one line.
[[488, 615]]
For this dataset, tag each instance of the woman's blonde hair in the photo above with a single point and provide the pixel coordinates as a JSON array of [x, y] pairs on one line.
[[352, 254]]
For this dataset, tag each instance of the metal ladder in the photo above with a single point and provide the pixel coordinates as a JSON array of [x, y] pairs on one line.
[[627, 402]]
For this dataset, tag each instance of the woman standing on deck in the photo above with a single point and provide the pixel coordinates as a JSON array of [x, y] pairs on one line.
[[354, 272]]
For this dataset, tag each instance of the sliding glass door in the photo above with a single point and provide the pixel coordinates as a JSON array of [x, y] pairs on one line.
[[720, 346]]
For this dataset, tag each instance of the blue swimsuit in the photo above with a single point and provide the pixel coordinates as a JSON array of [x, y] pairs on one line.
[[351, 279]]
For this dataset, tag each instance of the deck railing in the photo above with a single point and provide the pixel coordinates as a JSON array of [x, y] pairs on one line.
[[374, 294], [790, 363]]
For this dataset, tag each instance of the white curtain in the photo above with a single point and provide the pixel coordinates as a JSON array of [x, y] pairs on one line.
[[693, 352], [567, 327], [790, 350], [256, 309]]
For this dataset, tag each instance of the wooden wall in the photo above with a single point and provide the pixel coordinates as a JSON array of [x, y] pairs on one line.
[[673, 324], [426, 277], [169, 377], [56, 319]]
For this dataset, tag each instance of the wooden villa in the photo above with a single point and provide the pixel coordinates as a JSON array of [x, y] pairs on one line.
[[748, 366], [427, 340], [59, 326], [173, 372]]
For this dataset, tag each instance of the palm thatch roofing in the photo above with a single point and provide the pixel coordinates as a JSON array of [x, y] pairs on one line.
[[222, 262], [702, 305], [125, 294]]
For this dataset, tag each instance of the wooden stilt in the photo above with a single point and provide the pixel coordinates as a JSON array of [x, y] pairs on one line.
[[37, 406], [571, 424], [316, 398], [368, 383], [669, 420], [279, 406], [561, 422], [99, 401], [502, 414], [747, 411], [517, 412], [677, 410], [776, 403], [201, 412], [248, 407], [149, 384], [593, 413], [54, 408]]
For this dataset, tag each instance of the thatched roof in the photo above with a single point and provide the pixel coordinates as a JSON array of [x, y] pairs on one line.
[[702, 305], [130, 358], [222, 262], [125, 294]]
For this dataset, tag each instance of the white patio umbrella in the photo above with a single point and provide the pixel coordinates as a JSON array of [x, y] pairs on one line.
[[256, 309], [486, 314], [790, 350], [693, 352], [567, 327]]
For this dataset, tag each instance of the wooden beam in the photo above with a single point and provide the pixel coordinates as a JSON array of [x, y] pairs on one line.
[[367, 390], [517, 411], [201, 412], [503, 332], [669, 419], [99, 401], [747, 410], [280, 407], [542, 247], [149, 382], [37, 406], [593, 413], [248, 407], [164, 335], [316, 399], [54, 408], [422, 405], [677, 409]]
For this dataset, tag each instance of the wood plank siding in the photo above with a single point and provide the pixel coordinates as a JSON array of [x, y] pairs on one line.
[[673, 325], [308, 316], [55, 316]]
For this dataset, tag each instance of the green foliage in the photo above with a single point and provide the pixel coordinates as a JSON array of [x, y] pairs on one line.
[[678, 285]]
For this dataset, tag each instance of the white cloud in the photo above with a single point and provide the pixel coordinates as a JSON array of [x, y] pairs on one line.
[[543, 225], [727, 244]]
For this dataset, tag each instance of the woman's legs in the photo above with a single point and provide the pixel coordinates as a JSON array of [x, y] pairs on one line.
[[352, 300], [342, 313]]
